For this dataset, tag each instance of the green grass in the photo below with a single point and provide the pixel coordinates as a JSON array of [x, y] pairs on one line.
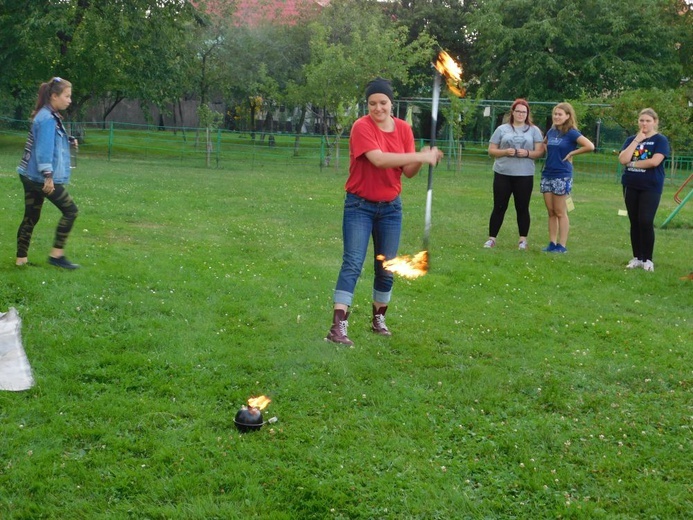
[[516, 385]]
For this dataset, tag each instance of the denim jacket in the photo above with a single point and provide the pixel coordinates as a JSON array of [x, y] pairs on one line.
[[50, 150]]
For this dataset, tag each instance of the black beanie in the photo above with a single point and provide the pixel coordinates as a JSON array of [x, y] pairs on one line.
[[379, 86]]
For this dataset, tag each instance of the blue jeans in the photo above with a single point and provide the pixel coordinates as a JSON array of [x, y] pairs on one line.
[[363, 219]]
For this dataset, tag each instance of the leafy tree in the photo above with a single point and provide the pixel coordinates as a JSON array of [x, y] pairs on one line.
[[27, 46], [206, 48], [445, 20], [109, 50], [558, 49], [351, 44], [210, 121], [461, 114], [261, 60]]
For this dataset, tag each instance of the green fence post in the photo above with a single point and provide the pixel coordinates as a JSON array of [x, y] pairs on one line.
[[218, 145], [322, 151], [110, 140]]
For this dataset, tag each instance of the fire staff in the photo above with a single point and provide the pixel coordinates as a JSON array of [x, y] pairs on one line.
[[381, 149]]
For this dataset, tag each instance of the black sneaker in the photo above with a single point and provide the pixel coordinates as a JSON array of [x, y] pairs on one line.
[[62, 262]]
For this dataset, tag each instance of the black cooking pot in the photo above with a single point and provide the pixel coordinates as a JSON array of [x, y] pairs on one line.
[[248, 419]]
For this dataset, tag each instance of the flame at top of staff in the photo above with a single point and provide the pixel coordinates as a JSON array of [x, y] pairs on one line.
[[452, 72], [259, 402], [406, 266]]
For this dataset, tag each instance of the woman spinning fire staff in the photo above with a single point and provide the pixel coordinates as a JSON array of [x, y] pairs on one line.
[[381, 149]]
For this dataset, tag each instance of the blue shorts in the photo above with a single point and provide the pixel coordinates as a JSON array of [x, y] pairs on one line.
[[557, 186]]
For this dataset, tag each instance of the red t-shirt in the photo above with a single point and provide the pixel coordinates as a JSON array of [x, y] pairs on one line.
[[365, 179]]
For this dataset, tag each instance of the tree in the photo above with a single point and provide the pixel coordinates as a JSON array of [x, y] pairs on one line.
[[210, 121], [351, 44], [461, 114], [108, 50], [445, 20], [27, 45], [558, 49], [260, 61]]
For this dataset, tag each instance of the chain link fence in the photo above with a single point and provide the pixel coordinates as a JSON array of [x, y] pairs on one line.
[[232, 150]]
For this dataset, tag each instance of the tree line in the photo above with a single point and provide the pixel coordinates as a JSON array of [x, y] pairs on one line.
[[622, 52]]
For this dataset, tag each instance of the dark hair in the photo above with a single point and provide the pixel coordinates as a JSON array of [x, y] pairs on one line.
[[55, 86], [524, 103], [379, 86]]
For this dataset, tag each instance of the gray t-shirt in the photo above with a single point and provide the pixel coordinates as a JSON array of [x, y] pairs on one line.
[[506, 136]]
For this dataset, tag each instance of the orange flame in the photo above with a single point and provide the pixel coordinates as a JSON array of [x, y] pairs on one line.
[[259, 402], [452, 72], [406, 266]]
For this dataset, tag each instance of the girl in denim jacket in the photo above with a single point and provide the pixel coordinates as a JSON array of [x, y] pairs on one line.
[[45, 171]]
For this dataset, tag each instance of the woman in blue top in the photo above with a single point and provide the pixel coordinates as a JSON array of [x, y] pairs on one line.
[[563, 141], [643, 157], [45, 171]]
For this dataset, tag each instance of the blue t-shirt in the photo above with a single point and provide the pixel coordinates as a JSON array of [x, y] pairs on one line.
[[647, 179], [559, 145]]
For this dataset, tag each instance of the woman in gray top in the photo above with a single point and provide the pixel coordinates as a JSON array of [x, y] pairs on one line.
[[515, 145]]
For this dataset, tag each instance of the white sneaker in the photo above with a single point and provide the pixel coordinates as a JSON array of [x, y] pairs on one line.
[[647, 265], [522, 245], [491, 242], [634, 263]]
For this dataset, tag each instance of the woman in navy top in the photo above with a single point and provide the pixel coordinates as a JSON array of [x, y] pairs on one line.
[[563, 141], [643, 157]]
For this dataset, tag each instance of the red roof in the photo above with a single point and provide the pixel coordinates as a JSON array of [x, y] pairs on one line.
[[257, 12]]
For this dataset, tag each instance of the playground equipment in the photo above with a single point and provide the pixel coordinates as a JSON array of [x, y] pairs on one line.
[[681, 203]]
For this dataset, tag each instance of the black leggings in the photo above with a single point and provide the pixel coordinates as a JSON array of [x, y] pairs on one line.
[[520, 187], [33, 203], [642, 208]]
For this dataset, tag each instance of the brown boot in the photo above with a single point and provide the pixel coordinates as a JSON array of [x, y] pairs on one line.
[[338, 332], [379, 326]]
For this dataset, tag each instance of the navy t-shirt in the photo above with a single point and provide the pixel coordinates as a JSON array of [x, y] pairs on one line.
[[648, 179], [559, 145]]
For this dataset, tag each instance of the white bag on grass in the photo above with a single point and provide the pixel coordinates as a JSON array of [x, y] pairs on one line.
[[15, 371]]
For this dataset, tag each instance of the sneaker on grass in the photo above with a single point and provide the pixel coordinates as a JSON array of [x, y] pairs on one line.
[[522, 245], [491, 242], [647, 265], [634, 264], [559, 249], [549, 248]]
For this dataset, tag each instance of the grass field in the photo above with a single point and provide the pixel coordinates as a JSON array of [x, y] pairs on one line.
[[515, 385]]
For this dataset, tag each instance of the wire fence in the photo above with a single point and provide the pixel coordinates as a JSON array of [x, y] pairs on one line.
[[233, 150]]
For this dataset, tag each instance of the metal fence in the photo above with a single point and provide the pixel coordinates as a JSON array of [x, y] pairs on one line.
[[224, 149]]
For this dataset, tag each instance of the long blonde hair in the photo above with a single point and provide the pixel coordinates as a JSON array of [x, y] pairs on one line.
[[571, 122]]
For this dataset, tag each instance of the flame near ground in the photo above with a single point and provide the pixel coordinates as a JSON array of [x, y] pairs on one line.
[[407, 266], [259, 402]]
